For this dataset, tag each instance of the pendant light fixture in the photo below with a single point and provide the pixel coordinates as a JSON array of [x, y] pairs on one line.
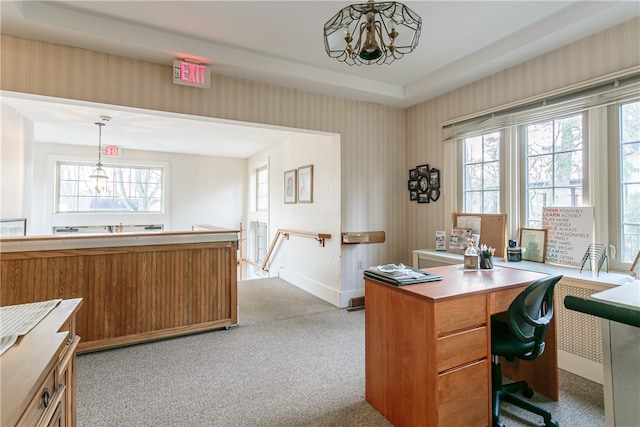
[[99, 176], [372, 33]]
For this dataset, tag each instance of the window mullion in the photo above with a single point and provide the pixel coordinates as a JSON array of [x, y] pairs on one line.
[[509, 171], [596, 176]]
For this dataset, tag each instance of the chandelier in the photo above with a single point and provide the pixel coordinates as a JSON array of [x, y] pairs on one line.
[[372, 33], [99, 175]]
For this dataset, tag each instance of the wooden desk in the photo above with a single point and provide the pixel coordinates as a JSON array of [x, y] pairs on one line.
[[428, 349], [38, 374]]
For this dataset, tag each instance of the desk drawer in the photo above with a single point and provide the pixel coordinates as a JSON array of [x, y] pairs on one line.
[[463, 347], [463, 396], [501, 300], [458, 314], [37, 408]]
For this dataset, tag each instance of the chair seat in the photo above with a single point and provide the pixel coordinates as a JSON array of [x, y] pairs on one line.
[[519, 333], [504, 343]]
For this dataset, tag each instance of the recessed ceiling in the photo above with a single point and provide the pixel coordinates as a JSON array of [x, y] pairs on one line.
[[280, 42], [72, 122]]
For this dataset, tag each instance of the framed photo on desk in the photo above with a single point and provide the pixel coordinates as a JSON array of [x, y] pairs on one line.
[[533, 242]]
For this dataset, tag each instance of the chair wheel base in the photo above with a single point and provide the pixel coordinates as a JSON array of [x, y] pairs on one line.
[[527, 392], [552, 423]]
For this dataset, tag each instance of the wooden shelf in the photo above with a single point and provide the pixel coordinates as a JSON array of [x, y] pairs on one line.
[[350, 238]]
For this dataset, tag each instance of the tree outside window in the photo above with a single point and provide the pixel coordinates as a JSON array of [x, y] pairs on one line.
[[130, 189], [630, 180], [481, 163], [554, 177]]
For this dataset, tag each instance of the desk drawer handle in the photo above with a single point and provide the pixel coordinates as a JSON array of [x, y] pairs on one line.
[[45, 398]]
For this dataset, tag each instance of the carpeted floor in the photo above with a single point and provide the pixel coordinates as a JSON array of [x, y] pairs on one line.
[[295, 360]]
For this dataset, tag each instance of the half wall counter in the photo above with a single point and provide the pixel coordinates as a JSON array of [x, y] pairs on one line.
[[135, 287]]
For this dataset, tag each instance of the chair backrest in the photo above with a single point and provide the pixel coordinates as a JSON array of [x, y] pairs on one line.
[[530, 313]]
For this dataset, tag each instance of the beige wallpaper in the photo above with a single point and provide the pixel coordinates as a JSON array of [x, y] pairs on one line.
[[372, 144]]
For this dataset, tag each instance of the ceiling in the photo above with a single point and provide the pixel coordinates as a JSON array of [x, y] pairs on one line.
[[280, 42]]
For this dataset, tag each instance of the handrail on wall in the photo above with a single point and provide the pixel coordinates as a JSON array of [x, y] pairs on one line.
[[320, 237]]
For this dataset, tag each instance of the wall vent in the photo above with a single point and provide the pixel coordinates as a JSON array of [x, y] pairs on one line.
[[578, 333]]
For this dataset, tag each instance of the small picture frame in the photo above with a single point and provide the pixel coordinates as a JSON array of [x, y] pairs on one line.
[[413, 185], [290, 187], [422, 170], [423, 184], [423, 197], [533, 242], [434, 178], [413, 174], [434, 194], [305, 184], [13, 227], [413, 195]]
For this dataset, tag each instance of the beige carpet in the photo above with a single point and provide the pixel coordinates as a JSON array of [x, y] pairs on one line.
[[293, 361]]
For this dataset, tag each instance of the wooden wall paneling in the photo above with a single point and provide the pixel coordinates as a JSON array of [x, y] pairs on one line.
[[135, 293]]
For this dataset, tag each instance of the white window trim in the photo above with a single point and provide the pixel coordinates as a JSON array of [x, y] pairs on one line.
[[61, 219], [597, 185]]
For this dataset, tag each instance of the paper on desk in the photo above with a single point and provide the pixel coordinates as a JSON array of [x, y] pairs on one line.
[[17, 320]]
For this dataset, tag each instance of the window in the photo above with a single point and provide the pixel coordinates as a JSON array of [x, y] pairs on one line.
[[554, 165], [481, 164], [261, 242], [258, 216], [262, 189], [629, 118], [130, 189], [571, 149]]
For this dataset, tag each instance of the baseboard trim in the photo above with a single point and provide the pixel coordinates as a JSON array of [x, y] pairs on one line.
[[580, 366]]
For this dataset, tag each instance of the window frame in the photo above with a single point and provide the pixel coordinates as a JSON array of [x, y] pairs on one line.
[[615, 210], [598, 167], [262, 169], [501, 173], [523, 160], [84, 163]]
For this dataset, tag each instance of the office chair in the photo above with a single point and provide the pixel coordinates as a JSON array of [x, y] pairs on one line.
[[520, 333]]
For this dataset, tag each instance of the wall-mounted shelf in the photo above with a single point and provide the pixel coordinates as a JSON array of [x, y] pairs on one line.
[[349, 238]]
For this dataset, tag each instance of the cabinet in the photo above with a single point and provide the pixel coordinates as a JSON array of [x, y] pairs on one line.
[[38, 374], [136, 287]]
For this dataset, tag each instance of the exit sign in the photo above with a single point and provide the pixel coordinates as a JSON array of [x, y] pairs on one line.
[[191, 74], [111, 151]]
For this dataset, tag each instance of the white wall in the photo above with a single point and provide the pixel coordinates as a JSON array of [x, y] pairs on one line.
[[15, 164], [200, 189], [300, 260]]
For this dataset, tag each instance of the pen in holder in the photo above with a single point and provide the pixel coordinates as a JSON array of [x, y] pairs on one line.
[[486, 257]]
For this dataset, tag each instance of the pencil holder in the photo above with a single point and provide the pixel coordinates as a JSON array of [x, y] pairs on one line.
[[486, 262]]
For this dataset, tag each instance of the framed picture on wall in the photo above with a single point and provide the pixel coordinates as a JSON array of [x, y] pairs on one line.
[[305, 184], [290, 186], [422, 170], [13, 227], [434, 178]]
